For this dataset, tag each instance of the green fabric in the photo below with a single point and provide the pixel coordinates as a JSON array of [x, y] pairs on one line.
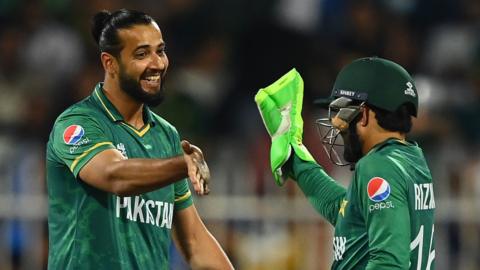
[[93, 229], [377, 81], [384, 234], [280, 105]]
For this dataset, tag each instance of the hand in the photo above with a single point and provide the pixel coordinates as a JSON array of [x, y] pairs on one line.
[[198, 171]]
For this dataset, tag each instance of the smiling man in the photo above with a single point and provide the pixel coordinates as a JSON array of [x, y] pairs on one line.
[[117, 172]]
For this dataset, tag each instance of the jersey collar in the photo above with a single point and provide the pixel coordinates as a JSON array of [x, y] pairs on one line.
[[110, 109], [389, 141]]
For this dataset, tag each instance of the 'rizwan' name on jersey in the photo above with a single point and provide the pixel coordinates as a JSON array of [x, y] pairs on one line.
[[424, 198]]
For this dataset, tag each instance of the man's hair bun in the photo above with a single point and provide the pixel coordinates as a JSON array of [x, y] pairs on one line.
[[98, 24]]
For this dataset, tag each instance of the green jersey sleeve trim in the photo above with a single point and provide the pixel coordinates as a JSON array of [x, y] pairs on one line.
[[183, 198], [88, 154], [188, 201]]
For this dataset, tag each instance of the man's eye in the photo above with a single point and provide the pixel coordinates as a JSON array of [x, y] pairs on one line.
[[161, 51], [140, 54]]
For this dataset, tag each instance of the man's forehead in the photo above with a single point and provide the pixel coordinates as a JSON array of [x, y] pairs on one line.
[[141, 34]]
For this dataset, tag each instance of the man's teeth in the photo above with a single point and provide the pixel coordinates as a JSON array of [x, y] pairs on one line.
[[153, 78]]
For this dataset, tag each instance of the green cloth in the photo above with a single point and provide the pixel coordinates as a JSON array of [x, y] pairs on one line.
[[93, 229]]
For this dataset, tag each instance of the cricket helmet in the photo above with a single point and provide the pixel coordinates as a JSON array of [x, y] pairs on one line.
[[366, 81]]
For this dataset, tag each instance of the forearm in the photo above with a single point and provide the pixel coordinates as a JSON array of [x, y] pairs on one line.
[[323, 193], [200, 249], [135, 176], [206, 253]]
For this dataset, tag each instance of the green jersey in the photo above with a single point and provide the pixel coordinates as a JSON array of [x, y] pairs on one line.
[[384, 220], [93, 229]]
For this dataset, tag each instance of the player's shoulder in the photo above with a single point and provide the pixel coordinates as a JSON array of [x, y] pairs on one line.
[[388, 153], [391, 161], [381, 160], [373, 161], [82, 110]]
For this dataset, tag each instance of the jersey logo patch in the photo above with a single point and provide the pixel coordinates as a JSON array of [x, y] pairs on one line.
[[73, 134], [378, 189]]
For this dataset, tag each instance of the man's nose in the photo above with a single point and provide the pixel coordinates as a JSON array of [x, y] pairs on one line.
[[339, 123], [158, 62]]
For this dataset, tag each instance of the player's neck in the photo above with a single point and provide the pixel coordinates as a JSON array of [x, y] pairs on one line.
[[378, 137], [130, 109]]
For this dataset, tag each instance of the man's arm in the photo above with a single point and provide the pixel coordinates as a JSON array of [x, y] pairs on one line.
[[196, 243], [111, 172], [323, 193]]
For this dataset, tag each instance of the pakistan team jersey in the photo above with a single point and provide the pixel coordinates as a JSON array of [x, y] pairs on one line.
[[384, 220], [93, 229]]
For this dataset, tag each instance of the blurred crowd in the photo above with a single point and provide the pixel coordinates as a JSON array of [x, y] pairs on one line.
[[221, 53]]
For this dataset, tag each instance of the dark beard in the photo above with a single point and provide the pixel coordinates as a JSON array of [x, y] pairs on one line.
[[132, 87], [353, 148]]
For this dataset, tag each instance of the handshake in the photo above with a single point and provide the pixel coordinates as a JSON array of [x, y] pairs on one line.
[[198, 171]]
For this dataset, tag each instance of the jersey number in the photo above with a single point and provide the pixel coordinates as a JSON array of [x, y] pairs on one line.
[[418, 242]]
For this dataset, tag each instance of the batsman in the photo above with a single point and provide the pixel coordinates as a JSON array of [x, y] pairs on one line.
[[384, 219]]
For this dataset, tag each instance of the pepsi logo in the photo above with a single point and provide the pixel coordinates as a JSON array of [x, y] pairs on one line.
[[73, 134], [378, 189]]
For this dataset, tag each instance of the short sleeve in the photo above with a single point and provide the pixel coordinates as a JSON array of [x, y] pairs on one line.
[[383, 201], [183, 196], [77, 138]]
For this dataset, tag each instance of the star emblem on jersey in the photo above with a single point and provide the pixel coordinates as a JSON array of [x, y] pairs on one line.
[[343, 205], [378, 189], [73, 134]]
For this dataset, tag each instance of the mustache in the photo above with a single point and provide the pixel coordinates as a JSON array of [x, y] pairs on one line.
[[154, 72], [132, 87]]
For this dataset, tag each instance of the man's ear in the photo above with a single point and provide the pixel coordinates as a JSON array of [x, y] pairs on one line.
[[110, 64], [365, 115]]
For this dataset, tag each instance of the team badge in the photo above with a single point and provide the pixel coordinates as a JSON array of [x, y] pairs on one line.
[[73, 134], [378, 189]]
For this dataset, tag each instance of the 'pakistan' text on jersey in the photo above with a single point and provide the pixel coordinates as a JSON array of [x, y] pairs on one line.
[[385, 219], [93, 229]]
